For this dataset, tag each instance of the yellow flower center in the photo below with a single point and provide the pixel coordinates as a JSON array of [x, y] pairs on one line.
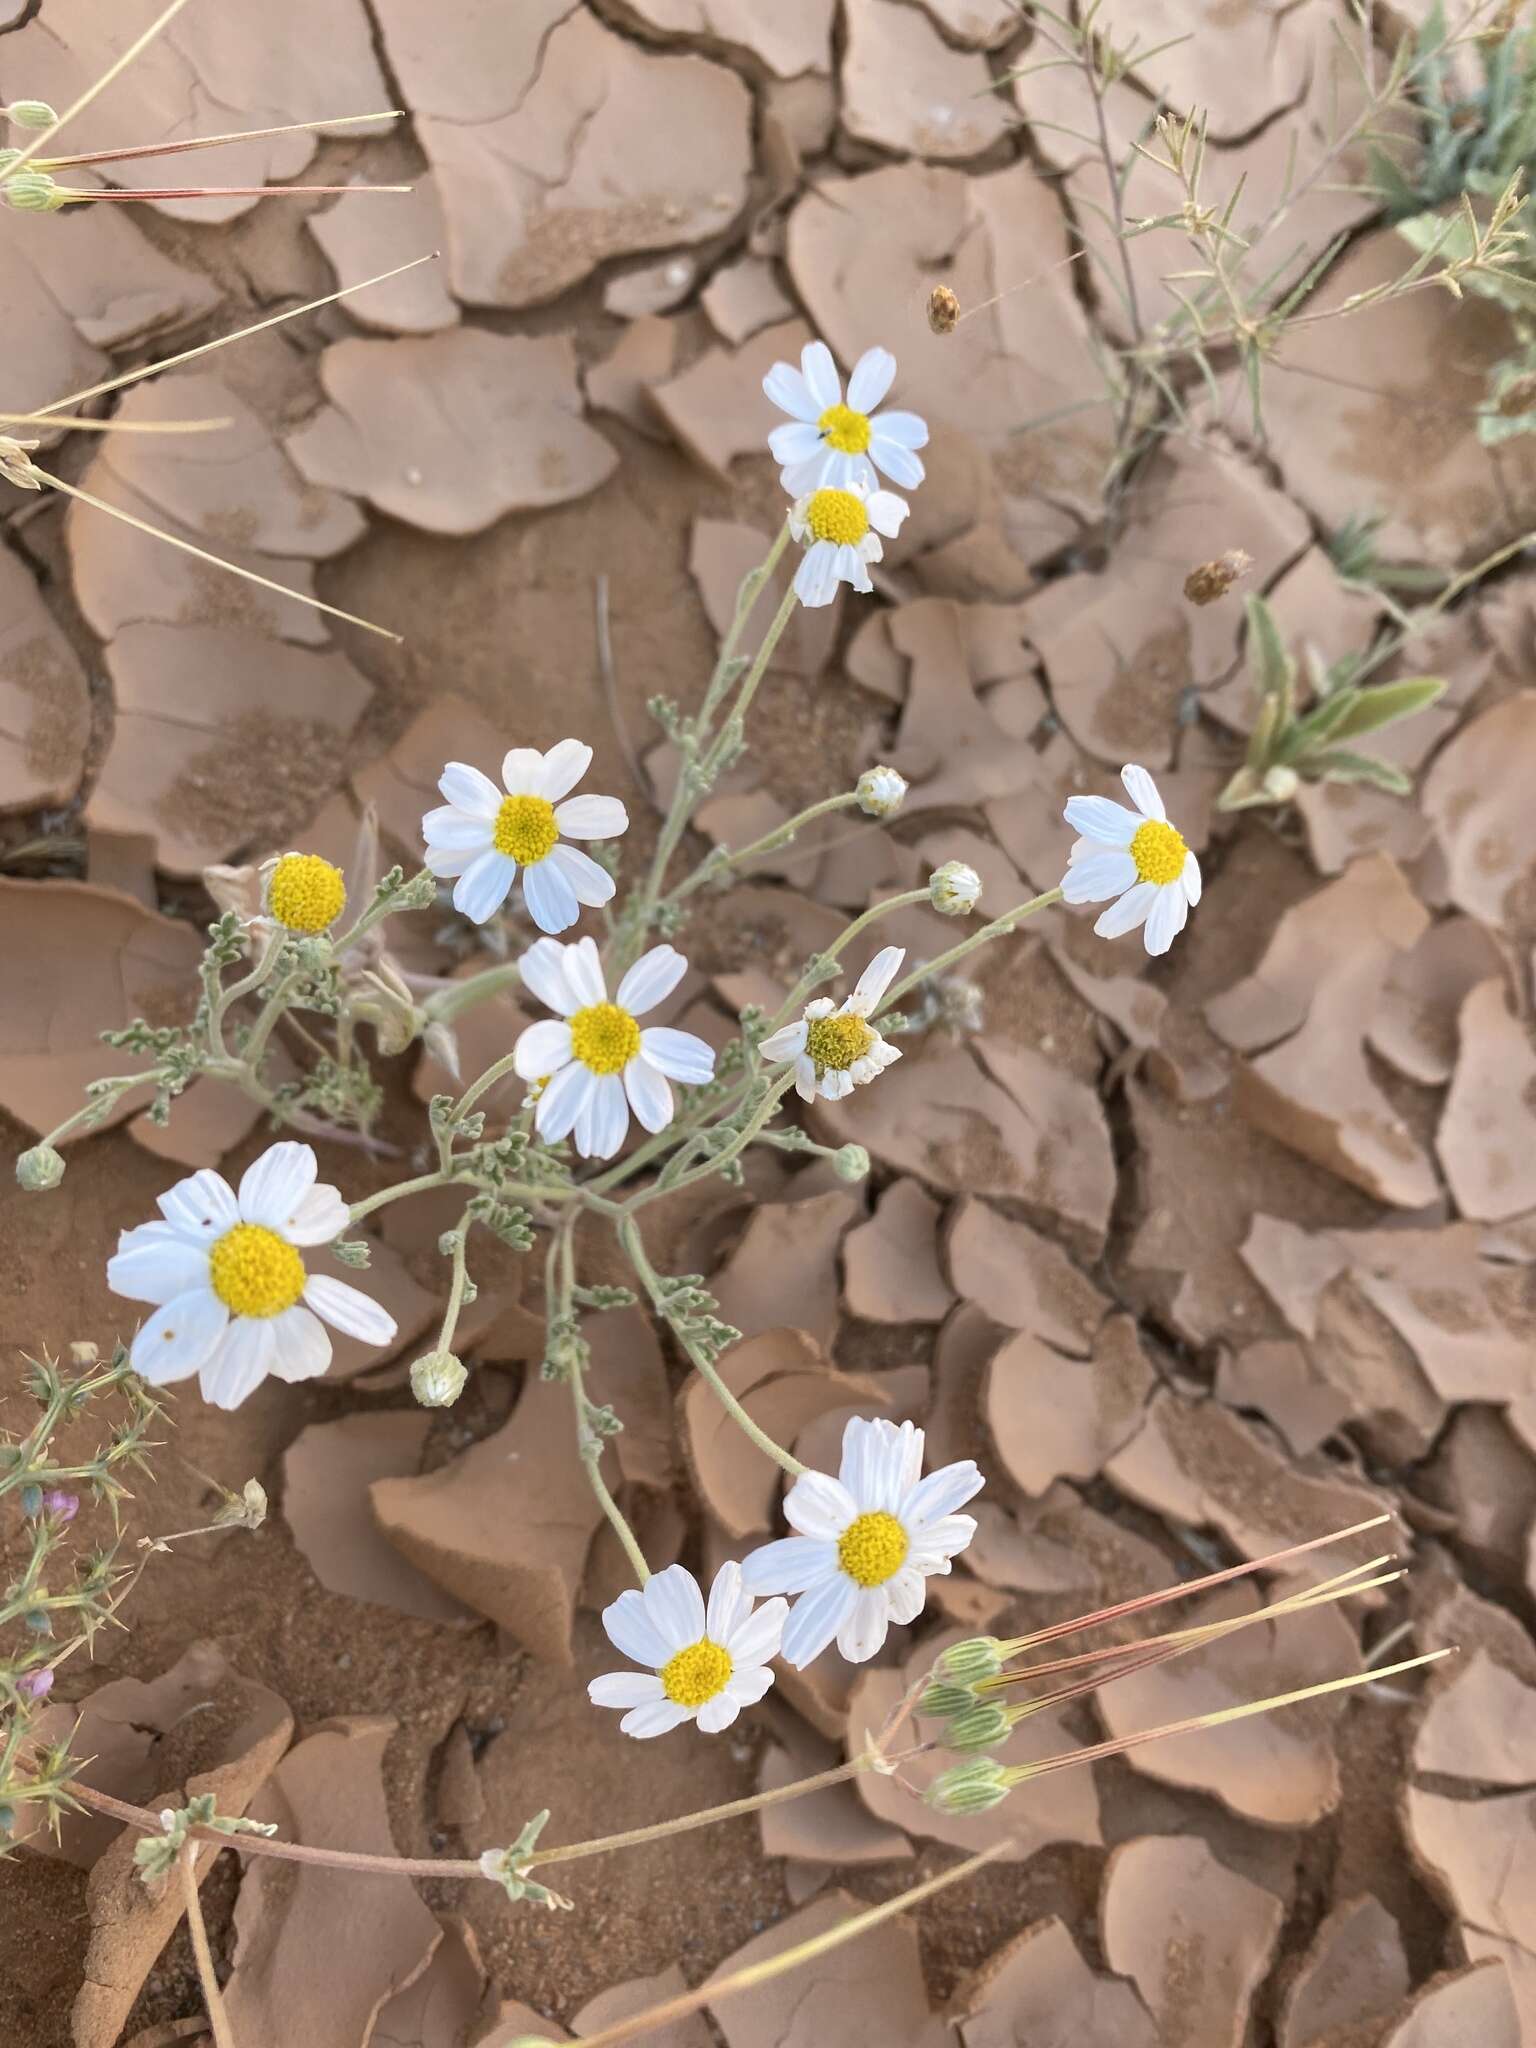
[[845, 430], [837, 516], [604, 1038], [1158, 852], [305, 893], [696, 1674], [837, 1041], [525, 829], [254, 1272], [872, 1549]]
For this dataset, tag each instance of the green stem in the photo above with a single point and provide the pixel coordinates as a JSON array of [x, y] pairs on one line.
[[752, 587], [588, 1443], [447, 1005], [716, 1160], [720, 863], [101, 1104], [839, 946], [456, 1284], [1008, 922], [266, 1022]]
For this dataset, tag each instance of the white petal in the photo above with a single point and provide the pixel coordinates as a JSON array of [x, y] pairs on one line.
[[178, 1337], [203, 1205], [563, 1102], [542, 970], [273, 1186], [656, 1717], [873, 375], [625, 1689], [604, 1123], [863, 1629], [1132, 909], [895, 461], [550, 898], [592, 817], [1100, 819], [808, 473], [757, 1636], [805, 1078], [584, 973], [522, 772], [906, 429], [302, 1345], [469, 790], [1142, 791], [320, 1218], [886, 512], [851, 569], [786, 1043], [564, 766], [238, 1364], [747, 1683], [349, 1310], [950, 1487], [795, 442], [1166, 918], [818, 1506], [650, 1096], [815, 1619], [875, 980], [905, 1594], [1191, 878], [446, 862], [678, 1054], [816, 577], [651, 980], [728, 1606], [676, 1606], [484, 885], [850, 472], [791, 1565], [880, 1462], [1103, 873], [588, 880], [544, 1048], [820, 374], [451, 830], [718, 1713], [936, 1543], [836, 1083], [155, 1263], [631, 1629], [787, 389]]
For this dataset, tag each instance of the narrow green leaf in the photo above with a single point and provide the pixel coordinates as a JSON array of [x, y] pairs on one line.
[[1385, 703], [1342, 766], [1272, 669], [1321, 724]]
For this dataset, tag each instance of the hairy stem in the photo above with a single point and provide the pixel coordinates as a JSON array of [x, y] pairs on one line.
[[213, 1997]]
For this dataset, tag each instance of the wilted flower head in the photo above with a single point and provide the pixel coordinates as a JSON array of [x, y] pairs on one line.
[[943, 310], [836, 1049]]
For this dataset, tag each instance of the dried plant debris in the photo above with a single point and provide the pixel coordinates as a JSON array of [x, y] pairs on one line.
[[293, 1921], [908, 90], [1302, 1017], [557, 145], [1039, 1992], [452, 432], [82, 961], [1355, 1971], [206, 75], [1194, 1937]]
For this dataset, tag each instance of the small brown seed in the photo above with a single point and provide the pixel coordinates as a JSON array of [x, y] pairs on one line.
[[1214, 579], [943, 310]]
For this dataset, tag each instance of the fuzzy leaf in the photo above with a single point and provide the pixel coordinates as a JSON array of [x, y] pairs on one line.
[[1342, 766], [1386, 703], [1272, 669]]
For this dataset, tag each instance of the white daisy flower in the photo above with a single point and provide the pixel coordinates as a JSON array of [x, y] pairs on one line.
[[828, 442], [840, 526], [836, 1049], [707, 1666], [595, 1062], [233, 1301], [483, 836], [1136, 856], [868, 1539]]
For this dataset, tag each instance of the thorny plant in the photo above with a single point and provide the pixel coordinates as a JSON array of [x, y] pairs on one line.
[[223, 1270]]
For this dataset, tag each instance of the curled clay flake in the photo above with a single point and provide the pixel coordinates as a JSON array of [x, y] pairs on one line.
[[1476, 796], [1038, 1992], [783, 1238], [1480, 1726], [1476, 2004], [452, 432], [1487, 1135], [1355, 1970], [891, 1271], [1022, 1279], [907, 90], [1061, 1418], [45, 701]]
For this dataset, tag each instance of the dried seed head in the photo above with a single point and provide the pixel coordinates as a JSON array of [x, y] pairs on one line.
[[1214, 579], [943, 310]]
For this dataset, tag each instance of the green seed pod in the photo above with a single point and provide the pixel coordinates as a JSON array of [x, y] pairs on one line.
[[40, 1169], [942, 1701], [985, 1723], [977, 1657], [851, 1162], [31, 114], [34, 192], [969, 1788]]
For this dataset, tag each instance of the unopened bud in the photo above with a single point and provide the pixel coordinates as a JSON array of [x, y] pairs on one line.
[[40, 1169], [31, 114], [943, 310], [954, 890], [851, 1162], [969, 1788], [1281, 783], [34, 192], [983, 1723], [881, 791], [977, 1657], [437, 1379], [1214, 579], [942, 1700]]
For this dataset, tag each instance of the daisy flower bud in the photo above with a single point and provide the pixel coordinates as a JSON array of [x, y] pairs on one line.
[[437, 1379], [969, 1788], [851, 1162], [39, 1169], [31, 114], [954, 890], [881, 791]]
